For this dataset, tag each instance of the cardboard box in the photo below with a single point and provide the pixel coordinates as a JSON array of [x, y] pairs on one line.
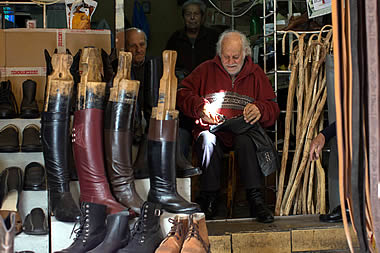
[[22, 53]]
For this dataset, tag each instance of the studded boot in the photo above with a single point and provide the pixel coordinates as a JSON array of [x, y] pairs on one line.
[[146, 233], [174, 239], [197, 237], [92, 229]]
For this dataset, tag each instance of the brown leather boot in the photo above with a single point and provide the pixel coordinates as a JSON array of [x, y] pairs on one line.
[[197, 238], [174, 239]]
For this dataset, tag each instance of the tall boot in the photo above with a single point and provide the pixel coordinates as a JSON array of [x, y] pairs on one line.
[[55, 136], [117, 235], [258, 208], [146, 233], [197, 238], [29, 107], [161, 159], [174, 239], [92, 229], [7, 233], [118, 138]]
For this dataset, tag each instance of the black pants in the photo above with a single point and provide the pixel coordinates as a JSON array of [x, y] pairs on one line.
[[210, 150]]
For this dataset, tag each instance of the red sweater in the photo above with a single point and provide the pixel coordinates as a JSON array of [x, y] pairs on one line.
[[211, 83]]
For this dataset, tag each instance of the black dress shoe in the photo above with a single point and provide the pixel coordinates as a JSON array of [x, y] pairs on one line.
[[9, 139], [36, 222], [334, 216], [31, 139], [34, 177]]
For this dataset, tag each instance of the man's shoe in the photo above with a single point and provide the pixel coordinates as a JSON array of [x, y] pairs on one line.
[[208, 203], [8, 105], [258, 208], [334, 216]]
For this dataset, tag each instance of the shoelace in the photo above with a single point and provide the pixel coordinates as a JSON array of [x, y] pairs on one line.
[[194, 232], [175, 227], [79, 231]]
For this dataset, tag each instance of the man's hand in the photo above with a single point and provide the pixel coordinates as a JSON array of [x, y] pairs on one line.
[[209, 115], [316, 146], [251, 113]]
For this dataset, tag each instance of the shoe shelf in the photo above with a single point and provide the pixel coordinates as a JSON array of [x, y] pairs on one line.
[[28, 199]]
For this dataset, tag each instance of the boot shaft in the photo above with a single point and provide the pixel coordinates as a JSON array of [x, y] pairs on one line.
[[7, 233]]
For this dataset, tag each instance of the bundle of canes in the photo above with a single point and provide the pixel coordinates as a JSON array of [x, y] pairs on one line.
[[311, 84]]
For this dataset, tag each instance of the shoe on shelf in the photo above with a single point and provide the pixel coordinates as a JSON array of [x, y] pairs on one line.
[[34, 177], [8, 105], [29, 107], [334, 216], [35, 222], [31, 139], [9, 141]]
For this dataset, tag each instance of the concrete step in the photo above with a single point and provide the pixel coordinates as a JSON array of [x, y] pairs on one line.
[[299, 233]]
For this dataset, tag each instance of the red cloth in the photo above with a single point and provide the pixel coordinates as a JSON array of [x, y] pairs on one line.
[[211, 83]]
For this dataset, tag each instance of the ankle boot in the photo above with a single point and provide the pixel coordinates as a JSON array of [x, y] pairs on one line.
[[92, 229], [118, 144], [8, 104], [55, 137], [117, 235], [7, 233], [161, 159], [174, 239], [258, 208], [140, 166], [29, 107], [146, 233], [197, 238]]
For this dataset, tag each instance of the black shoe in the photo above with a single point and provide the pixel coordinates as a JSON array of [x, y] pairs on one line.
[[9, 139], [34, 177], [334, 216], [8, 105], [208, 203], [31, 139], [29, 107], [258, 208]]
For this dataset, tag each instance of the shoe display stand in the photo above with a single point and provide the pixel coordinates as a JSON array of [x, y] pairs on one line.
[[28, 199], [61, 232]]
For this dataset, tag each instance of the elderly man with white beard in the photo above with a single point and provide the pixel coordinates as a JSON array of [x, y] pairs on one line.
[[224, 87]]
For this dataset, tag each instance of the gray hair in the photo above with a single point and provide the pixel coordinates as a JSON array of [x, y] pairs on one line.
[[244, 41], [137, 30], [200, 3]]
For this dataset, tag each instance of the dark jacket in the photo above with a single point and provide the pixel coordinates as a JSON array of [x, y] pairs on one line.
[[189, 56]]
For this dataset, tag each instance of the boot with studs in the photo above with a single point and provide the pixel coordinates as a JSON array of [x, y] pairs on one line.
[[197, 236], [146, 233], [92, 228], [174, 239]]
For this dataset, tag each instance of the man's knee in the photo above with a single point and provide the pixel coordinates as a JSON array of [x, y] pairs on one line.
[[243, 141]]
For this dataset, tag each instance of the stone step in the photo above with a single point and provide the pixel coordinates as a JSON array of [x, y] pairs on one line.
[[299, 233]]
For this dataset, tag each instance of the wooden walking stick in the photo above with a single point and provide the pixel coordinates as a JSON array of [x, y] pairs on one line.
[[168, 88], [60, 81]]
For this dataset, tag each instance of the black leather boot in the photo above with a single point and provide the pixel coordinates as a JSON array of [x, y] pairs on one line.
[[92, 229], [208, 202], [29, 107], [161, 159], [146, 233], [8, 105], [55, 136], [140, 166], [55, 143], [117, 235], [258, 208]]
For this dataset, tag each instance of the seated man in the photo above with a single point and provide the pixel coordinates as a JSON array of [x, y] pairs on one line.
[[230, 84]]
